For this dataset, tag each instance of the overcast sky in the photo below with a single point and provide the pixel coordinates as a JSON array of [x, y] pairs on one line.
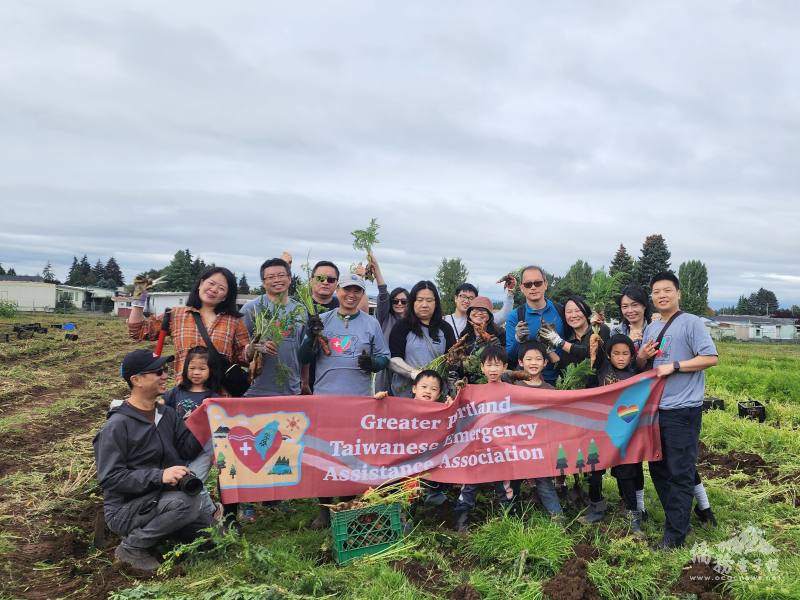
[[504, 133]]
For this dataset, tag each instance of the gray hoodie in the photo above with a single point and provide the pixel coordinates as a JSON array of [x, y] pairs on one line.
[[131, 453]]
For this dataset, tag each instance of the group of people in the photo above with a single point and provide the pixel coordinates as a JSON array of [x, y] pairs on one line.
[[148, 463]]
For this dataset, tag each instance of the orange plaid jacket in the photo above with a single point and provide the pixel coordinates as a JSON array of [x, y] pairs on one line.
[[228, 333]]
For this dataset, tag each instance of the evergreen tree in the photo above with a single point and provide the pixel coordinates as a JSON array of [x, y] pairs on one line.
[[561, 460], [622, 263], [198, 266], [763, 302], [579, 462], [74, 273], [593, 455], [47, 273], [743, 306], [2, 270], [113, 272], [654, 259], [179, 273], [576, 282], [12, 272], [693, 276], [85, 272], [99, 270], [243, 287], [451, 274]]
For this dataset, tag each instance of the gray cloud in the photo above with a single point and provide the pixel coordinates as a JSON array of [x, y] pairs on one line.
[[507, 135]]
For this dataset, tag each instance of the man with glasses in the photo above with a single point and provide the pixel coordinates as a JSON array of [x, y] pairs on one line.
[[281, 374], [357, 350], [141, 454], [324, 278], [465, 294], [523, 324]]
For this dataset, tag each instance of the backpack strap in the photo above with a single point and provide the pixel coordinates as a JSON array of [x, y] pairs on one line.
[[660, 337]]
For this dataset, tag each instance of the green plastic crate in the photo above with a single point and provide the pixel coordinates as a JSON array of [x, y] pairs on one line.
[[364, 531]]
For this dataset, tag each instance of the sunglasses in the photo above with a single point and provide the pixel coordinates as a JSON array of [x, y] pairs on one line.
[[529, 284], [324, 279], [159, 372], [399, 301]]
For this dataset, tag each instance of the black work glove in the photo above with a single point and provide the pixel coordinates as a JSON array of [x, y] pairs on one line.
[[315, 325], [365, 362]]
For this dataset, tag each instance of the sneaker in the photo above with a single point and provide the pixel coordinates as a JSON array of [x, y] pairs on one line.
[[248, 513], [665, 544], [706, 516], [137, 558], [461, 525], [635, 523], [595, 513], [229, 524], [436, 499]]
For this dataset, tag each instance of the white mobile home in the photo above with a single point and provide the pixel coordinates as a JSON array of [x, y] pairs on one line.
[[29, 293]]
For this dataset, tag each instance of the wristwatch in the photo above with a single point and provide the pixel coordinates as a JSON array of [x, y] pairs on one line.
[[677, 366]]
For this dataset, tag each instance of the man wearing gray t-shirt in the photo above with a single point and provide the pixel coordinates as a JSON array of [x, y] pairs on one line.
[[682, 353], [356, 349]]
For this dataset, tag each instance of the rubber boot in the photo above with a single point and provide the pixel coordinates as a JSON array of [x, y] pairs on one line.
[[635, 523], [595, 512], [323, 520], [706, 516], [460, 525]]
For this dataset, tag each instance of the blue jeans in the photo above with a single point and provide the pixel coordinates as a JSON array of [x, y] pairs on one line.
[[674, 475], [548, 494]]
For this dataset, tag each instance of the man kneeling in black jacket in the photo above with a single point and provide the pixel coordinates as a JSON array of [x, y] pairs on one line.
[[141, 454]]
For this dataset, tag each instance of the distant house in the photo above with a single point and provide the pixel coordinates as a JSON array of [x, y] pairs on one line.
[[158, 302], [28, 292], [122, 306], [32, 293], [758, 328]]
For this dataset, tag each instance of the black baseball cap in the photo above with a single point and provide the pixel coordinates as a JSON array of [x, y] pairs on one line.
[[141, 361]]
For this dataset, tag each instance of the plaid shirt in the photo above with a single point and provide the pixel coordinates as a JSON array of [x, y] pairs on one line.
[[228, 333]]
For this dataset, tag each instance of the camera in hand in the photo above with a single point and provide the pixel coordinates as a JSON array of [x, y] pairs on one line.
[[190, 484]]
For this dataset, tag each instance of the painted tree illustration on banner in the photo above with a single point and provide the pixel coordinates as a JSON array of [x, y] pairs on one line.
[[220, 461], [594, 455], [561, 462], [232, 471], [579, 462]]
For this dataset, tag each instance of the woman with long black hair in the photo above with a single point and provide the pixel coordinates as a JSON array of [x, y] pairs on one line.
[[418, 338]]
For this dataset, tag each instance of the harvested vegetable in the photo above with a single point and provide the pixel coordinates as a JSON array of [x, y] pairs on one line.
[[306, 299], [602, 291], [365, 239], [273, 323], [403, 491], [575, 376]]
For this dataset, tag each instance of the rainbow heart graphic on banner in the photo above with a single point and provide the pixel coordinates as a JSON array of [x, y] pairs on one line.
[[628, 413]]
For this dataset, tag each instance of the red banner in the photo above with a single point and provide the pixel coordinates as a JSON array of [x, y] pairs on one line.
[[309, 446]]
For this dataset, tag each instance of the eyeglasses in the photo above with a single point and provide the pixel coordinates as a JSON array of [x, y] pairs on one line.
[[529, 284], [400, 301], [324, 279], [277, 276], [465, 297]]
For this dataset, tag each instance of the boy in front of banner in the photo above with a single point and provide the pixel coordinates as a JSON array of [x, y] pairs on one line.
[[533, 360], [494, 362], [427, 386]]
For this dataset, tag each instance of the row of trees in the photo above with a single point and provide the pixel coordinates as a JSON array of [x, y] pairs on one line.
[[654, 258], [183, 271], [82, 273], [761, 302], [10, 271]]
